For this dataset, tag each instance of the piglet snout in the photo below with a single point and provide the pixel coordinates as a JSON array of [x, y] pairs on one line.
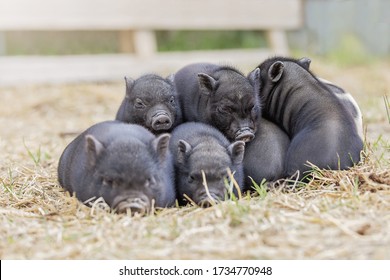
[[244, 134], [161, 121], [135, 205]]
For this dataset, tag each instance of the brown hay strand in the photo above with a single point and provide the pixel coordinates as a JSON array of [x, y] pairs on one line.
[[204, 182]]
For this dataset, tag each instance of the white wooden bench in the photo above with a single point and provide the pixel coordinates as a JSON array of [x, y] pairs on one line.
[[138, 19]]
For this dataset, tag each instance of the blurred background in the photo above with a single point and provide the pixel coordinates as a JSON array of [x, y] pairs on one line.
[[328, 26], [348, 32]]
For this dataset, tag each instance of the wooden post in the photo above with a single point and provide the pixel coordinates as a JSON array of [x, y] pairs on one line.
[[278, 42], [3, 47], [126, 41], [145, 43]]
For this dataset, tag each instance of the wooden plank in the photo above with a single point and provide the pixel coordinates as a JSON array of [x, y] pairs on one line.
[[21, 70], [150, 14]]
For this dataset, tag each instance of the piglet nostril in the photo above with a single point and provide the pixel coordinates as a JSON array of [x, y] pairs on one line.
[[140, 210], [206, 203], [245, 135], [135, 205], [161, 122], [208, 200]]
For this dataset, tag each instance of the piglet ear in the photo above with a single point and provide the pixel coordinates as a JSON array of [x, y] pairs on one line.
[[161, 145], [254, 79], [207, 83], [254, 75], [129, 85], [183, 149], [171, 78], [236, 151], [305, 62], [275, 72], [94, 149]]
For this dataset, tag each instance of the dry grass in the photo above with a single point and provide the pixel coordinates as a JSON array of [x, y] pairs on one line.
[[338, 215]]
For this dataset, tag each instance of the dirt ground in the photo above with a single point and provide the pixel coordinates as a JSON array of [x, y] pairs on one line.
[[339, 215]]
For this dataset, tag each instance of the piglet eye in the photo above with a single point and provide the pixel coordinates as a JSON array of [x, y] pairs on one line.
[[223, 175], [224, 110], [191, 178], [172, 100], [254, 111], [108, 181], [139, 104], [150, 182]]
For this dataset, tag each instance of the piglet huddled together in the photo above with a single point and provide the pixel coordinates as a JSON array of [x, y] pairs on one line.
[[125, 164], [322, 121], [150, 101], [220, 96], [203, 157], [207, 132]]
